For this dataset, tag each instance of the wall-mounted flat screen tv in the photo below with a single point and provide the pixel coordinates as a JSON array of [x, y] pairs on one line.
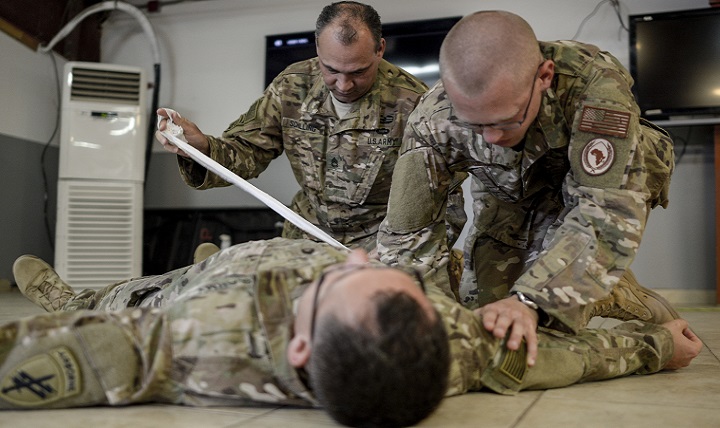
[[412, 45], [675, 61]]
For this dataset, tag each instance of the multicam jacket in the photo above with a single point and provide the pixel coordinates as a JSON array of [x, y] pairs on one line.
[[344, 166], [216, 333], [559, 220]]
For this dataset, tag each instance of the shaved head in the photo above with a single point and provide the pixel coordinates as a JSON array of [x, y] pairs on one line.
[[486, 48]]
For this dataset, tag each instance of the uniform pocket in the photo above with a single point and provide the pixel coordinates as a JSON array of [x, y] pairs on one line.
[[350, 183]]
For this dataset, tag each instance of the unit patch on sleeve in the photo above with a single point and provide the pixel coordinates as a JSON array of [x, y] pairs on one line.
[[604, 121], [597, 156], [42, 379], [602, 144]]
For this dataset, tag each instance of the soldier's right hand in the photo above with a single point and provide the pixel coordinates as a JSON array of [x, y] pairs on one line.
[[191, 132], [509, 314]]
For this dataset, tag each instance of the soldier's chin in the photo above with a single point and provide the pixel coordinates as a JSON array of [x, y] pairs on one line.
[[345, 98]]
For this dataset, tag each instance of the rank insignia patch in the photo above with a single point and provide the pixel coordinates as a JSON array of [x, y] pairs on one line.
[[597, 156], [603, 121], [390, 118], [42, 379]]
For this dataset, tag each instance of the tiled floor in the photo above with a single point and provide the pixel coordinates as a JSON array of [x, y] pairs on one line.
[[686, 398]]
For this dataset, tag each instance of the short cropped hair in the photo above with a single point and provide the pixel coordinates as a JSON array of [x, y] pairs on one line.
[[391, 373], [351, 12]]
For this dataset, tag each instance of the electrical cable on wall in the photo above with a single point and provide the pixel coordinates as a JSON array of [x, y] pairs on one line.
[[147, 28], [616, 7], [46, 198]]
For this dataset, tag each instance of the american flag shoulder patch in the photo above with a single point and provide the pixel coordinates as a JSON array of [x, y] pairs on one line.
[[605, 121], [514, 364]]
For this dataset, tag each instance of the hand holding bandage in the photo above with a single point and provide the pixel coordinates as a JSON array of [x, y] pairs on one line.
[[169, 120]]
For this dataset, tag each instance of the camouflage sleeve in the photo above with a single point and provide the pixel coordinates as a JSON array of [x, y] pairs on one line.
[[480, 360], [414, 230], [594, 354], [85, 358], [246, 147], [471, 346], [620, 169]]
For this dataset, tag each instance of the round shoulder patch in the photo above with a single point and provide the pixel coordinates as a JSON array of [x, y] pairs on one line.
[[42, 379], [597, 156]]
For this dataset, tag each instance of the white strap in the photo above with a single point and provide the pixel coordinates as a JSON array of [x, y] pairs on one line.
[[238, 181]]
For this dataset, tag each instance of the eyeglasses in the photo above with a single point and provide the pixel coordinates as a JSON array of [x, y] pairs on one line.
[[478, 128], [349, 269]]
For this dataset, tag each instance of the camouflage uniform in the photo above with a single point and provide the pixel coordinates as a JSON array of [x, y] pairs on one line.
[[216, 333], [344, 166], [560, 219]]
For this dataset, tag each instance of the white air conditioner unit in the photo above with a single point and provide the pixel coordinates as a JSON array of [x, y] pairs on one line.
[[101, 174]]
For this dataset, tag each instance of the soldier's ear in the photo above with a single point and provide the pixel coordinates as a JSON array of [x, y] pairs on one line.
[[298, 351], [546, 74]]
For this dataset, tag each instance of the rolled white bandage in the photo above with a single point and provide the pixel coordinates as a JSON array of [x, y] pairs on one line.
[[172, 127]]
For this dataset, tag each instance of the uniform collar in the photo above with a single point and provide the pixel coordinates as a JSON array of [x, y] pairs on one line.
[[551, 122], [365, 112], [275, 314]]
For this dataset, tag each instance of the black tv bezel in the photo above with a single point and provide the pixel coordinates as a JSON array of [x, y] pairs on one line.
[[393, 29], [666, 113]]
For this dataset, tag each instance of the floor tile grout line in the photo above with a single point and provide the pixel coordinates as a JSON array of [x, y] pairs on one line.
[[252, 419], [711, 351], [521, 418]]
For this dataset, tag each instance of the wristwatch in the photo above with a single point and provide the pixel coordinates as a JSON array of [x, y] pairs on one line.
[[526, 301]]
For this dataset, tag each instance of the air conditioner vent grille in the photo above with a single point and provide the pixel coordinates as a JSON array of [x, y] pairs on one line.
[[90, 84], [101, 227]]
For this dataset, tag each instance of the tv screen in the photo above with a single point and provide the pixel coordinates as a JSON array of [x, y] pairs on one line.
[[675, 61], [413, 46]]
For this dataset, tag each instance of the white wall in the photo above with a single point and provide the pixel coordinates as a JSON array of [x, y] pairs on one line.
[[28, 91], [213, 51], [678, 248]]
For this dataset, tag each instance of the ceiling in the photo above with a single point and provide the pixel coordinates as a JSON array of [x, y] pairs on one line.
[[36, 23], [39, 23]]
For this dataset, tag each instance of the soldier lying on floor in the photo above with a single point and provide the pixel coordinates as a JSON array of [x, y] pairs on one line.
[[292, 322]]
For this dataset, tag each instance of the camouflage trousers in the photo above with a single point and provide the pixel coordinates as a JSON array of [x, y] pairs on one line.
[[632, 347], [591, 355]]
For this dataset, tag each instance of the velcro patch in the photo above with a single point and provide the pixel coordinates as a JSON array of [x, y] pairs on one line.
[[301, 125], [597, 156], [42, 379], [605, 121], [251, 114], [381, 141], [514, 364]]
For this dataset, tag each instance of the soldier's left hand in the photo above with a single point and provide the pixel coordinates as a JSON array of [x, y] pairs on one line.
[[686, 347], [510, 314]]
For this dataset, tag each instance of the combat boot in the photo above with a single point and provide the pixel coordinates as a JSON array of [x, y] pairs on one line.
[[203, 251], [39, 282], [631, 301]]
